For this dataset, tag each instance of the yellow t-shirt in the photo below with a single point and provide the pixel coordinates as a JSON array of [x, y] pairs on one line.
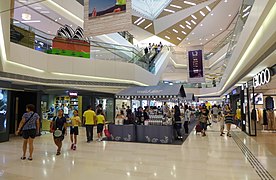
[[89, 117], [238, 114], [100, 119], [75, 121]]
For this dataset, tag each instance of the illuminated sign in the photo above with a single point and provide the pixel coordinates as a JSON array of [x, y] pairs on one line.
[[262, 78], [73, 94]]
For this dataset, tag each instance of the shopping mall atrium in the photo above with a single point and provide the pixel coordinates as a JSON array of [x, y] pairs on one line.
[[137, 89]]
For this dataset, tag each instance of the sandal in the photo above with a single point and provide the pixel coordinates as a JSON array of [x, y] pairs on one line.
[[23, 158], [30, 159]]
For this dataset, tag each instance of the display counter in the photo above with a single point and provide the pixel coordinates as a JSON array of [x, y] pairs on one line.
[[142, 133], [122, 132], [155, 134]]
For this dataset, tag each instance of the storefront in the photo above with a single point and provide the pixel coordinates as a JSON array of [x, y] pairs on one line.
[[70, 100], [4, 106], [258, 98], [158, 128]]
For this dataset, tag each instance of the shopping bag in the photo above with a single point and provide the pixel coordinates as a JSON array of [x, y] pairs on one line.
[[106, 132]]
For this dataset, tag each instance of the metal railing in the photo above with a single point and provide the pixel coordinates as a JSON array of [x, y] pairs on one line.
[[28, 36]]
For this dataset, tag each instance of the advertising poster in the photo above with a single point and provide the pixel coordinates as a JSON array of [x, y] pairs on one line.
[[196, 71], [106, 7], [3, 110]]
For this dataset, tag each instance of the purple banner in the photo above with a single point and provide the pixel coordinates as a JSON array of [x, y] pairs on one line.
[[196, 66]]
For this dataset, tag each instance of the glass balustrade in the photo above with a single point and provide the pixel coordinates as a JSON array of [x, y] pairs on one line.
[[33, 38]]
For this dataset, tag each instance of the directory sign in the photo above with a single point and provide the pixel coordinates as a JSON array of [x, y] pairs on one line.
[[196, 71], [3, 110]]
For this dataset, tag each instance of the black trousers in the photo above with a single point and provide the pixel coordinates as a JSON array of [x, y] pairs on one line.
[[89, 132], [186, 127]]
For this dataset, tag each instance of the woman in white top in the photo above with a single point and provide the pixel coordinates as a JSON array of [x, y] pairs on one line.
[[187, 117]]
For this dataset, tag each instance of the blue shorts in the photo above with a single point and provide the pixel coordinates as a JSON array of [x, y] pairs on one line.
[[203, 126]]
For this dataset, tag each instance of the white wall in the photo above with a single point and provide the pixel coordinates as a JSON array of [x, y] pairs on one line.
[[70, 9], [98, 70]]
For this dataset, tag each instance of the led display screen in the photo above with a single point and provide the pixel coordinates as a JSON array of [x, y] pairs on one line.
[[3, 110], [106, 7]]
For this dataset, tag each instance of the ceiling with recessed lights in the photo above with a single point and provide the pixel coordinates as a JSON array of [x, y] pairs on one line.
[[40, 16]]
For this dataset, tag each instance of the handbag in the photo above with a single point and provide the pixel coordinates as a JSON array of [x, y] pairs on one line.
[[107, 132], [21, 129], [57, 133]]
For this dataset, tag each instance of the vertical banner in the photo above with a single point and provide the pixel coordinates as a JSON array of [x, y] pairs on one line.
[[106, 16], [196, 67]]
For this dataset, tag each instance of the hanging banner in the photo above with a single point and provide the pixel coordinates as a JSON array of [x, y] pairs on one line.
[[106, 16], [196, 68]]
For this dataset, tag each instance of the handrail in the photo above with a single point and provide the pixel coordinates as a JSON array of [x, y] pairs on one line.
[[42, 41]]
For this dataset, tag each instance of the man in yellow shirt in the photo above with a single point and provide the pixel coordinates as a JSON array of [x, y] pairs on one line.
[[90, 120]]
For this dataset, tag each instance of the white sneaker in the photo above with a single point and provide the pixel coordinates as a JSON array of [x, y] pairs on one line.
[[99, 140]]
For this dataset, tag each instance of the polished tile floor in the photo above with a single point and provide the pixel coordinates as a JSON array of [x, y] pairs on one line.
[[211, 157]]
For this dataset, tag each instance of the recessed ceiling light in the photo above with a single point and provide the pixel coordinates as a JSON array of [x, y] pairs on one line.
[[246, 9], [208, 8], [188, 22], [193, 16], [71, 25], [184, 32], [45, 12], [200, 39], [189, 43], [148, 26], [143, 20], [32, 21], [188, 26], [56, 20], [168, 10], [167, 37], [193, 21], [206, 39], [213, 34], [201, 43], [190, 3], [234, 35], [26, 16], [187, 39], [175, 6], [201, 24], [139, 19], [193, 33], [229, 15], [220, 29], [179, 38], [225, 1], [202, 13], [212, 14], [174, 30], [246, 14], [59, 18], [182, 26]]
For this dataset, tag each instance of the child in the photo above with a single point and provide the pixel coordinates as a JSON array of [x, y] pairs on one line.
[[221, 121], [100, 124], [74, 129]]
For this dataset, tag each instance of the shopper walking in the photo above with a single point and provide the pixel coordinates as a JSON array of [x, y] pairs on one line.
[[30, 127], [203, 118], [221, 123], [214, 112], [238, 117], [228, 119], [100, 124], [90, 119], [58, 128], [187, 118], [74, 129], [177, 124]]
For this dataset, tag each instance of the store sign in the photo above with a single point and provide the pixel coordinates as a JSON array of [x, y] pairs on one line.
[[196, 70], [262, 78], [73, 94]]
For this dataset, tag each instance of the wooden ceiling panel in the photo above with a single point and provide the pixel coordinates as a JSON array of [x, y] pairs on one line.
[[147, 24], [179, 3]]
